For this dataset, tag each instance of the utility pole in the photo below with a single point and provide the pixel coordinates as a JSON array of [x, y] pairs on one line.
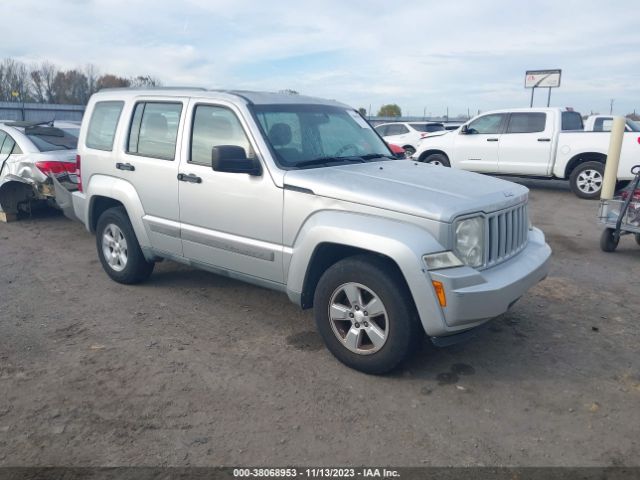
[[611, 107], [447, 114], [424, 114]]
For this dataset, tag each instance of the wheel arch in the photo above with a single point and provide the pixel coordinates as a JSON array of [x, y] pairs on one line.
[[583, 158], [330, 236], [327, 254], [13, 193], [105, 192], [423, 156]]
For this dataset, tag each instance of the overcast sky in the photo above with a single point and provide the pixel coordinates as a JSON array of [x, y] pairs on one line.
[[419, 54]]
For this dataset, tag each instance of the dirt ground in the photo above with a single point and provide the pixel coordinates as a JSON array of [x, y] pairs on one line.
[[195, 369]]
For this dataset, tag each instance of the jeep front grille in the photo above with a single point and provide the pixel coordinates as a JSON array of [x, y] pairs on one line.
[[507, 233]]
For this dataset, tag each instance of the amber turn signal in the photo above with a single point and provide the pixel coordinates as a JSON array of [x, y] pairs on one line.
[[439, 288]]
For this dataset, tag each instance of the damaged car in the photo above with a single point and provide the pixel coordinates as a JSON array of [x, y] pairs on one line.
[[31, 155]]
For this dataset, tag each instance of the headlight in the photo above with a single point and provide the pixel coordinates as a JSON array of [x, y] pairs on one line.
[[439, 260], [469, 241]]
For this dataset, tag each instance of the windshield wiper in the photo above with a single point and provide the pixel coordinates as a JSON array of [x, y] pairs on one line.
[[328, 160], [372, 156]]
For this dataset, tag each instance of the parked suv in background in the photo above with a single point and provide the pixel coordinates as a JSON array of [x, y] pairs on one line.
[[299, 194], [31, 153], [407, 134]]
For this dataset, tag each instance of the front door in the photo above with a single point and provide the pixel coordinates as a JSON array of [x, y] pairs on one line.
[[476, 148], [231, 221]]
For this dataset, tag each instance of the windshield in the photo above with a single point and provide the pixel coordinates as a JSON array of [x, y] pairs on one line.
[[633, 126], [303, 135], [427, 127]]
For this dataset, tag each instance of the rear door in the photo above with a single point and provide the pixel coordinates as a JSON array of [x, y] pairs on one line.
[[477, 149], [525, 146], [150, 163]]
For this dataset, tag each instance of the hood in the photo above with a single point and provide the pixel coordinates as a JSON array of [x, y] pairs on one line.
[[405, 186], [439, 133]]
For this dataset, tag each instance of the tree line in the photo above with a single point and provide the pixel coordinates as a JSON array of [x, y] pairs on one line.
[[46, 83]]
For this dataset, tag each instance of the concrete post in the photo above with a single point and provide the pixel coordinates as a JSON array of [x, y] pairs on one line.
[[613, 159]]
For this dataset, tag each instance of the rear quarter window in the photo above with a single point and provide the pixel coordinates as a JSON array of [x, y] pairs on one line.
[[572, 121], [103, 125]]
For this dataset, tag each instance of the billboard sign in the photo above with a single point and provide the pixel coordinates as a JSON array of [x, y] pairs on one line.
[[542, 78]]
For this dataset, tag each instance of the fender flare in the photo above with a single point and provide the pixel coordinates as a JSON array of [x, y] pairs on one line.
[[123, 192], [404, 243]]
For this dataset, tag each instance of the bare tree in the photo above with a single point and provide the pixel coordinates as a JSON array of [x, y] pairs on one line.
[[112, 81], [92, 73], [14, 84], [145, 81], [71, 87]]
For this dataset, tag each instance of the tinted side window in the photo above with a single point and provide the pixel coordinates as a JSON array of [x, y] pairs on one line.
[[9, 147], [2, 138], [154, 130], [572, 121], [489, 124], [103, 124], [527, 122], [215, 126], [396, 129], [382, 130]]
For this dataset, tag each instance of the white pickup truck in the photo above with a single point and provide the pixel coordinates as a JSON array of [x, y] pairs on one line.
[[532, 142], [603, 123]]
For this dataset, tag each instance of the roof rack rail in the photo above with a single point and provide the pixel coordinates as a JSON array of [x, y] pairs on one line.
[[109, 89]]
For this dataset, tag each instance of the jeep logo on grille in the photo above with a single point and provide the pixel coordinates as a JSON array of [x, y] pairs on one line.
[[508, 194]]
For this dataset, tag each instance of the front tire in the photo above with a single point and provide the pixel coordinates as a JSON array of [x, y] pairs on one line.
[[119, 250], [586, 180], [365, 314], [608, 243], [438, 159]]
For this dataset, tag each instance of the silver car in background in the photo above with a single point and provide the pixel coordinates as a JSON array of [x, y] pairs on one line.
[[31, 155]]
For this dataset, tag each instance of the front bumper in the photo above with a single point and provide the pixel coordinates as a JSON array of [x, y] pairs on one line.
[[473, 296]]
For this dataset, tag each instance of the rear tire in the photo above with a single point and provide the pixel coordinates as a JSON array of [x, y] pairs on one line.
[[586, 180], [438, 159], [607, 241], [118, 248], [374, 341]]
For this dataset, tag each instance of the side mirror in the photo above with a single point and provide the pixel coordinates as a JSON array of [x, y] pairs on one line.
[[464, 130], [233, 159]]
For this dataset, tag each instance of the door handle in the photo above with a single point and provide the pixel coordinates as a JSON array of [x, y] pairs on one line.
[[125, 166], [492, 139], [191, 178], [544, 139]]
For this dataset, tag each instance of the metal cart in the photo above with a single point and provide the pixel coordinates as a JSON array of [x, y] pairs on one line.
[[621, 215]]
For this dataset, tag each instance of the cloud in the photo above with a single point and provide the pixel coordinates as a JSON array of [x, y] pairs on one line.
[[418, 54]]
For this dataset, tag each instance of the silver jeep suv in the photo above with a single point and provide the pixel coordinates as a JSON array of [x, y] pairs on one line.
[[301, 195]]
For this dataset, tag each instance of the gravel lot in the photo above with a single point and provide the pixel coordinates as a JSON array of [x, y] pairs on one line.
[[196, 369]]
